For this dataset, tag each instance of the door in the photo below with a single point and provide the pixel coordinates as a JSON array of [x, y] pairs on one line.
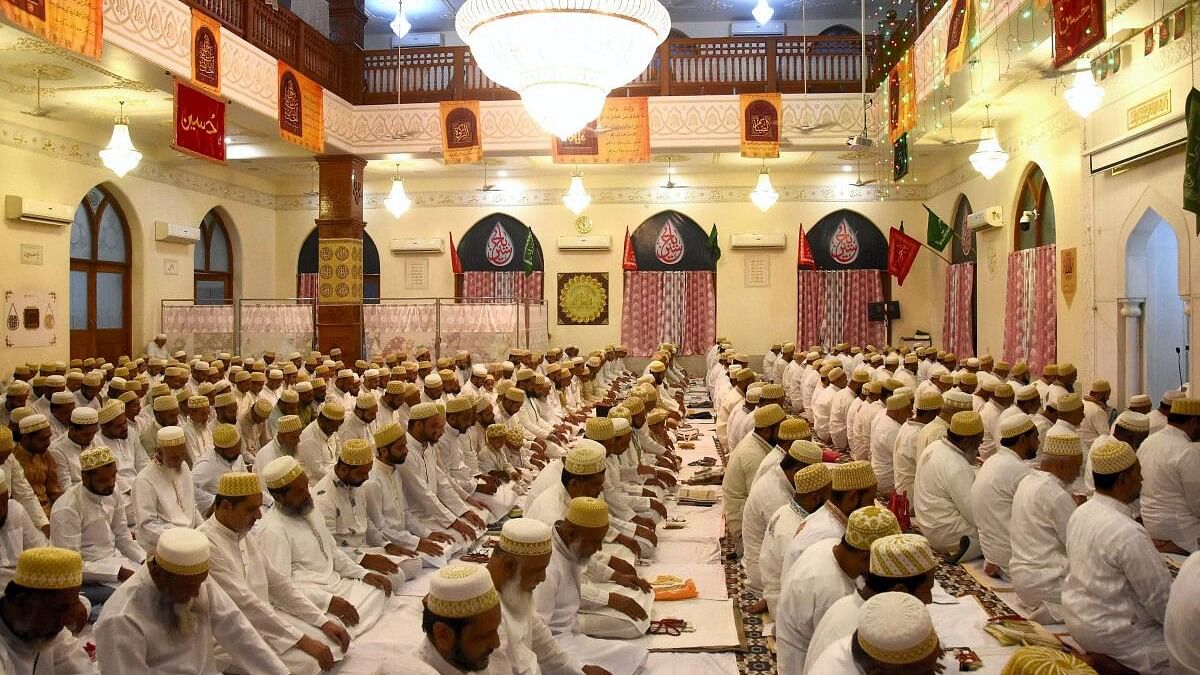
[[100, 279]]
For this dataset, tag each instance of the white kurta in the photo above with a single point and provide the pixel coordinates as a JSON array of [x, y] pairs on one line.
[[826, 522], [865, 421], [95, 527], [1183, 619], [206, 475], [942, 497], [66, 459], [132, 636], [883, 447], [530, 649], [1038, 533], [780, 529], [822, 404], [130, 460], [387, 508], [61, 655], [990, 413], [16, 534], [420, 489], [316, 451], [839, 621], [1115, 595], [163, 498], [1171, 487], [904, 456], [810, 587], [739, 474], [766, 496], [934, 431], [839, 406], [992, 503], [344, 509]]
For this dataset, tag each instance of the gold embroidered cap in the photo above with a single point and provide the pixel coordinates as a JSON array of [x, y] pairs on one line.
[[333, 410], [585, 459], [6, 439], [224, 399], [634, 405], [795, 429], [869, 523], [805, 451], [899, 402], [388, 435], [238, 484], [1134, 421], [895, 628], [929, 401], [812, 478], [901, 555], [599, 428], [1062, 443], [772, 392], [1039, 660], [182, 551], [515, 395], [966, 423], [281, 471], [168, 437], [587, 512], [95, 457], [657, 366], [1027, 392], [525, 536], [1016, 425], [197, 402], [1185, 406], [423, 411], [1068, 403], [49, 568], [1112, 457], [225, 436], [493, 431], [460, 403], [262, 407], [768, 415], [289, 423], [656, 416], [356, 452], [460, 591], [856, 475], [109, 411]]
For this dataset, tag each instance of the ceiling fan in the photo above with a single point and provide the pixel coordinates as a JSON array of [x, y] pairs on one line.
[[38, 110], [670, 184], [486, 186], [860, 182], [806, 127], [952, 141]]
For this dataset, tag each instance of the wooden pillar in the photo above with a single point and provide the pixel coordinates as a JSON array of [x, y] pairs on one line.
[[340, 254], [347, 26]]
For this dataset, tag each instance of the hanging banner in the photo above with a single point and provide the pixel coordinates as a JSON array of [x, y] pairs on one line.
[[938, 232], [628, 258], [206, 52], [761, 116], [902, 251], [1191, 162], [621, 135], [199, 123], [75, 25], [461, 142], [908, 95], [301, 109], [1069, 271], [956, 35], [1078, 26], [804, 254], [900, 157], [929, 54]]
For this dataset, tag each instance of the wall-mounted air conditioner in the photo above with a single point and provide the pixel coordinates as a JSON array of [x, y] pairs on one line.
[[17, 207], [988, 219], [755, 29], [431, 245], [755, 240], [176, 234], [587, 242], [418, 40]]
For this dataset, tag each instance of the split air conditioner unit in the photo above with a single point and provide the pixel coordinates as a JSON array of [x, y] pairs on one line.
[[988, 219], [176, 234], [755, 29], [17, 207], [588, 242], [432, 245], [768, 240]]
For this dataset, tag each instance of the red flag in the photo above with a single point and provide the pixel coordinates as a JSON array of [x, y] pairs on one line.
[[804, 254], [902, 251], [455, 263], [629, 263]]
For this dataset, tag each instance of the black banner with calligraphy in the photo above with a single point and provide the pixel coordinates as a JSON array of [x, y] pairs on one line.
[[199, 123], [206, 52], [672, 242], [496, 244], [845, 240]]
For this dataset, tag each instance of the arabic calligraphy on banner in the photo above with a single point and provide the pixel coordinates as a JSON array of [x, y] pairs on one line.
[[761, 115], [1078, 26], [620, 135], [461, 140], [929, 54], [76, 25], [199, 123], [500, 250], [301, 109], [668, 248], [206, 52]]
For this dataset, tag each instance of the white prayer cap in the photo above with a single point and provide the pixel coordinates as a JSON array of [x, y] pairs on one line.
[[281, 471], [433, 380], [958, 399], [84, 415], [33, 423], [169, 436], [62, 398], [303, 386], [525, 536], [160, 336], [1027, 393], [479, 370], [1133, 421], [1139, 400], [892, 360], [895, 628], [61, 381], [973, 362], [182, 551], [621, 426], [1171, 395], [345, 373], [461, 591]]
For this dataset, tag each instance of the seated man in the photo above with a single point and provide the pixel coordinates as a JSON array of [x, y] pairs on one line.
[[773, 489], [297, 543], [853, 487], [170, 618], [299, 632], [426, 489], [743, 463], [812, 489], [65, 449], [452, 450], [17, 531], [995, 486], [317, 449], [19, 488], [461, 620], [38, 604], [163, 494], [942, 491], [895, 635], [223, 457]]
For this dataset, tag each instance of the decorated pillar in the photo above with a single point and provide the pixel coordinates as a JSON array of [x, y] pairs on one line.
[[347, 25], [340, 254]]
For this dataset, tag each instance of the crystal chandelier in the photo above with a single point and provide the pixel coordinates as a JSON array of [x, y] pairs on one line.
[[762, 12], [577, 198], [562, 56], [400, 25], [1084, 95], [120, 156], [989, 158], [764, 195], [397, 202]]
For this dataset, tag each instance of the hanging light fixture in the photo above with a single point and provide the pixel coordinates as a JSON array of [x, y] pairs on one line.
[[762, 12], [120, 156], [397, 202], [1084, 95], [400, 24], [562, 56], [989, 158], [764, 195], [577, 198]]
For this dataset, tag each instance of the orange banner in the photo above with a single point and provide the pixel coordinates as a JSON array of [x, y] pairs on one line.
[[461, 140], [902, 92], [206, 52], [621, 135], [961, 18], [76, 25], [301, 110], [761, 116]]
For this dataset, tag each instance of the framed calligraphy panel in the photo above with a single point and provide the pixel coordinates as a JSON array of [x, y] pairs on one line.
[[462, 142], [199, 123], [620, 135], [301, 109], [206, 52]]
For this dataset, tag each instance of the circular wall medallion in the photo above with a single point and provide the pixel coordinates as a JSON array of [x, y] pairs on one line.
[[583, 224]]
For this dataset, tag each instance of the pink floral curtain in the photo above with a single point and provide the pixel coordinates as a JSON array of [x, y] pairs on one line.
[[957, 335], [679, 307], [198, 329], [282, 327], [1031, 308], [392, 328], [516, 285], [306, 286], [832, 307]]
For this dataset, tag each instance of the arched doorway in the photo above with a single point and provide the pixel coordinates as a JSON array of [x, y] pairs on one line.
[[1152, 288], [501, 258], [834, 301], [212, 262], [101, 268], [307, 268]]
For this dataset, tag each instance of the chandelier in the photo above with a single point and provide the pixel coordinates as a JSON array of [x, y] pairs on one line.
[[120, 156], [764, 195], [562, 56], [989, 158], [397, 201], [1084, 95], [577, 198], [762, 12]]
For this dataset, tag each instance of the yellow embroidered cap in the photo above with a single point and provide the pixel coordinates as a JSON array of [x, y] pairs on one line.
[[460, 403], [1134, 421], [901, 555], [333, 410], [493, 431], [929, 401], [588, 512], [423, 411], [812, 478], [795, 429], [1068, 403], [460, 591], [599, 428], [224, 399], [1185, 406], [289, 423], [768, 415], [238, 484], [225, 436], [182, 551], [168, 437], [197, 402], [33, 422], [1112, 457], [1016, 425], [895, 628], [49, 568], [856, 475], [109, 411], [262, 407], [1066, 369], [657, 366], [525, 536], [1003, 390], [585, 459], [6, 439], [966, 423], [1039, 660], [869, 523], [388, 435], [656, 416], [95, 457], [899, 402], [515, 395], [772, 392], [356, 452], [1062, 443], [165, 403], [805, 451], [281, 471]]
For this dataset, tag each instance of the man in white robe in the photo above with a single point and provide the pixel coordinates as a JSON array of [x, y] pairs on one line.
[[904, 453], [163, 493], [839, 405], [1183, 619], [426, 488], [223, 457], [953, 401], [360, 423], [883, 440], [254, 429], [65, 449], [17, 531], [994, 489], [197, 428], [36, 610], [130, 458], [1170, 461], [742, 464], [297, 543], [1158, 416], [1096, 411], [484, 493], [462, 625], [157, 348], [942, 491], [775, 488], [732, 400], [319, 442], [811, 491], [895, 634], [1000, 401], [822, 402]]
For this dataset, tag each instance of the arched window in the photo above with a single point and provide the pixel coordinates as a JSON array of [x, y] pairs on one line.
[[1034, 215], [100, 278], [845, 299], [959, 323], [213, 262], [492, 253], [307, 269]]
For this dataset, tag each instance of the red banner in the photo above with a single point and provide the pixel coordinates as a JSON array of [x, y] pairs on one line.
[[1078, 26], [902, 251], [455, 261], [804, 254], [199, 123], [956, 35], [629, 259]]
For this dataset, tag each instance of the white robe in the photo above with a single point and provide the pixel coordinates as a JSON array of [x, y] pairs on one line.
[[739, 474], [839, 621], [66, 459], [95, 527], [838, 407], [883, 446], [1170, 504], [904, 456], [1038, 533], [942, 497], [421, 489], [530, 649], [992, 503], [1183, 619], [766, 496], [206, 475], [781, 528], [344, 509], [388, 511], [810, 587], [163, 499], [316, 451], [826, 522], [16, 534]]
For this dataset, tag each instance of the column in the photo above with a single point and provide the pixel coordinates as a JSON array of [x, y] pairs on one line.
[[1129, 346], [347, 24], [339, 254]]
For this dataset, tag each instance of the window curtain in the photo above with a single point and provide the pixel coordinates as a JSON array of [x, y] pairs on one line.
[[517, 285], [306, 286], [1031, 308], [199, 329], [394, 328], [956, 323], [832, 307], [679, 307], [282, 327]]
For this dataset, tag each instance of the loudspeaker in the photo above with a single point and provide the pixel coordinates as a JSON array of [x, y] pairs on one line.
[[883, 311]]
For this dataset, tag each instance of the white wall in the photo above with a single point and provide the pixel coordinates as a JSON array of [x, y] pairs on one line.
[[1166, 328]]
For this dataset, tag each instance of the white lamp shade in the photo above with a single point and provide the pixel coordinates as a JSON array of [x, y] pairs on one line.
[[764, 195], [1084, 95], [120, 156], [400, 25], [989, 158], [397, 202], [577, 199]]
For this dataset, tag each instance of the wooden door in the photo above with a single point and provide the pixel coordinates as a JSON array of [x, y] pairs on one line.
[[100, 279]]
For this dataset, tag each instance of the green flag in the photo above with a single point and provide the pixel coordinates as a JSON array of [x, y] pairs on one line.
[[714, 244], [527, 254], [938, 233], [1191, 163]]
